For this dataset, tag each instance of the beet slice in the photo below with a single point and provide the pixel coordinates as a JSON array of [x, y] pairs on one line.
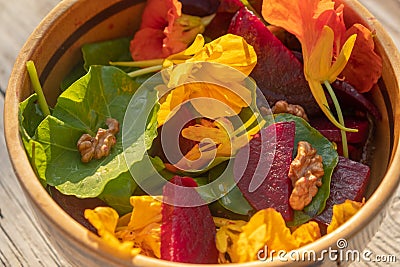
[[349, 181], [187, 233], [348, 96], [220, 23], [332, 133], [276, 187], [278, 73]]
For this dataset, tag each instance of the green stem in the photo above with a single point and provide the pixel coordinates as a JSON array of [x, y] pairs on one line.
[[340, 117], [247, 124], [37, 87], [145, 71], [138, 64]]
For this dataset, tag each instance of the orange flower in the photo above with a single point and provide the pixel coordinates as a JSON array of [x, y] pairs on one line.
[[319, 28], [364, 67], [164, 30]]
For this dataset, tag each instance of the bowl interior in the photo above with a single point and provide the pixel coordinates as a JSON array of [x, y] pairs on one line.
[[55, 49]]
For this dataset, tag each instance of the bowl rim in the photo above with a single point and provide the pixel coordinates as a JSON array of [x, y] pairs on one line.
[[55, 214]]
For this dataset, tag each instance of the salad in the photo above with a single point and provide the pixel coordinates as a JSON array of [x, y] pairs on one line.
[[220, 128]]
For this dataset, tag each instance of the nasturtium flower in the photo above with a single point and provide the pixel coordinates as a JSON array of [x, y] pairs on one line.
[[223, 140], [134, 233], [164, 30], [229, 50], [105, 220], [319, 27], [343, 212], [265, 228], [365, 66]]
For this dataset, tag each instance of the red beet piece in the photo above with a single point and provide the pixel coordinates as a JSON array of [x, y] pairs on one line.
[[220, 23], [278, 73], [187, 233], [349, 181], [332, 133], [251, 165], [348, 96]]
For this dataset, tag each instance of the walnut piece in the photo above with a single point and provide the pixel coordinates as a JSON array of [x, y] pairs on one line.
[[282, 106], [306, 171], [100, 145]]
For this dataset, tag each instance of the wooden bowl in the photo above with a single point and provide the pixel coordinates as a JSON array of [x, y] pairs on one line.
[[55, 48]]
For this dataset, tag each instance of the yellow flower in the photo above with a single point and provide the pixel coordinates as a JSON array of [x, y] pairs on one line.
[[217, 139], [220, 82], [134, 233], [105, 220], [265, 228], [343, 212]]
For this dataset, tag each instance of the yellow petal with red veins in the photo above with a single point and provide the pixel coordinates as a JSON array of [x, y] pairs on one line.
[[343, 212]]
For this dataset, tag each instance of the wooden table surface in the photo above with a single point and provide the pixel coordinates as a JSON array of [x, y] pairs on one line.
[[22, 243]]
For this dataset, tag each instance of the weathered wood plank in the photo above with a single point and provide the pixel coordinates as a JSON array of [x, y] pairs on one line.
[[22, 242], [18, 19]]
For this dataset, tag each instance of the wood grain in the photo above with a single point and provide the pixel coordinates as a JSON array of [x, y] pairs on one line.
[[22, 242]]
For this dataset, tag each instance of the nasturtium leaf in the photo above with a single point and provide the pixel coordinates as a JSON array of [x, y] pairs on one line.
[[83, 108], [233, 200], [304, 132], [101, 53], [30, 116], [102, 93], [118, 191], [75, 74]]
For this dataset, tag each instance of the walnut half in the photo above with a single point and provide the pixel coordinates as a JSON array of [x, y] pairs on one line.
[[282, 106], [100, 145], [306, 171]]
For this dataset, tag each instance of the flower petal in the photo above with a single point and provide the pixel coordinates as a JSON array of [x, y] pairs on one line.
[[317, 66], [343, 212], [186, 54], [157, 13], [200, 132], [297, 17], [342, 59], [147, 44], [181, 33], [307, 233], [266, 227], [231, 50], [146, 210], [365, 66], [105, 220]]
